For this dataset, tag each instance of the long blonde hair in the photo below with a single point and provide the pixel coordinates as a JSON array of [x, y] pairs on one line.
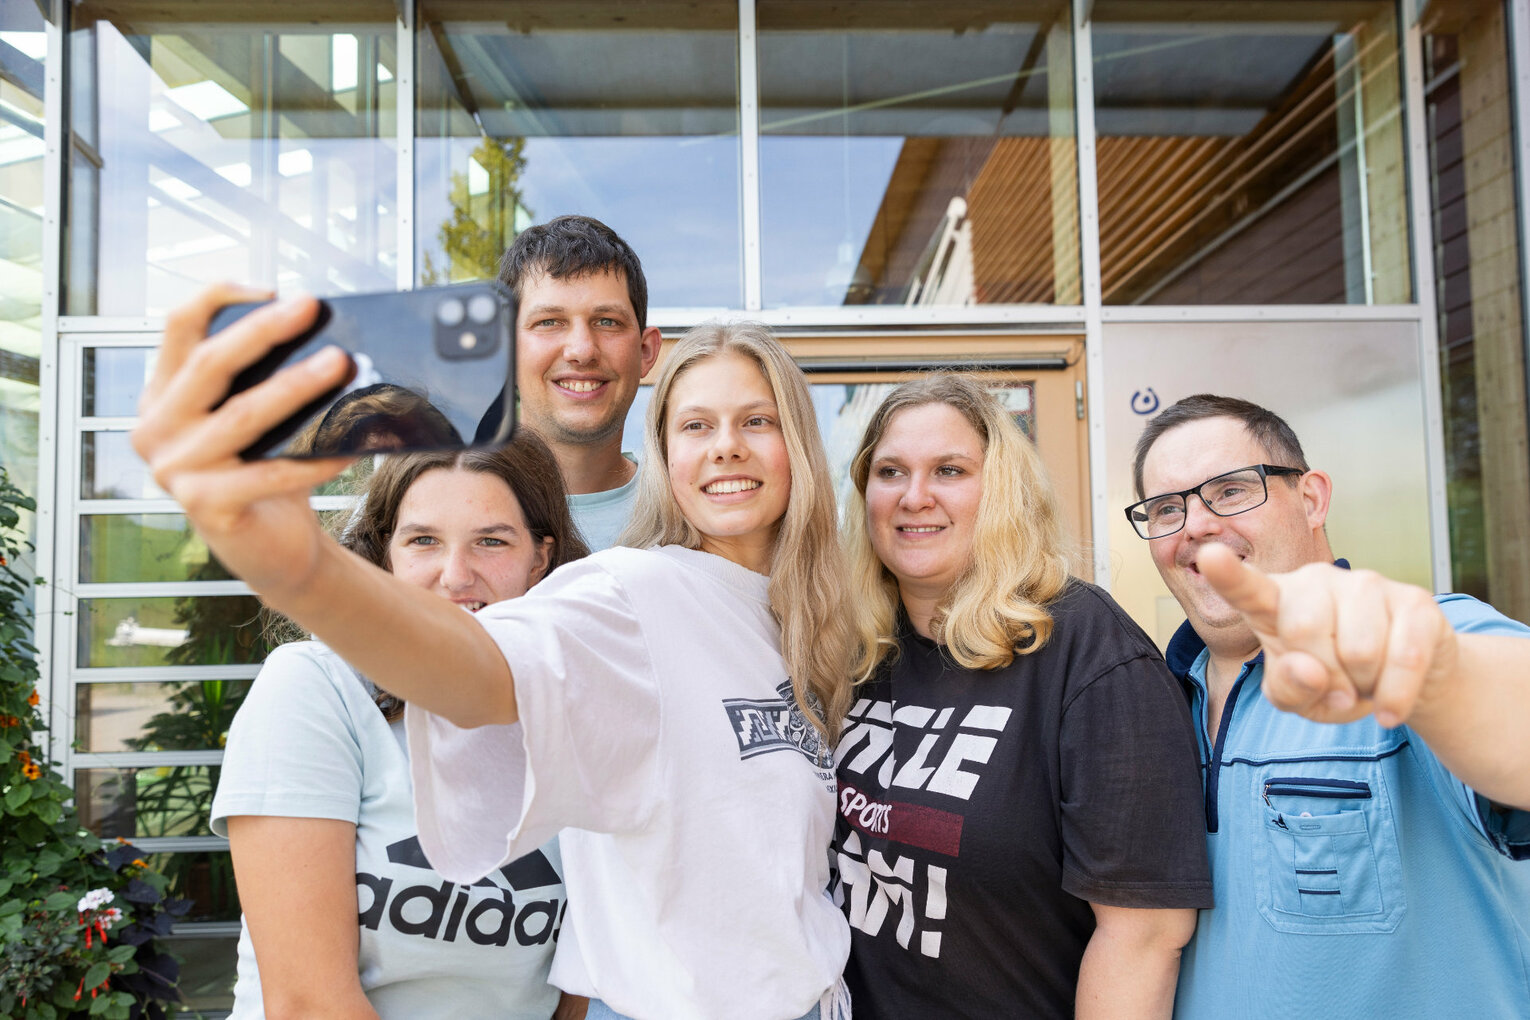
[[996, 609], [807, 569]]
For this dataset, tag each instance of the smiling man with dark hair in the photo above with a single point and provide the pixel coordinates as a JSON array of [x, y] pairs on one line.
[[1368, 817]]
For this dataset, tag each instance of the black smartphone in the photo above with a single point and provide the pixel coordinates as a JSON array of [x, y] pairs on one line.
[[432, 369]]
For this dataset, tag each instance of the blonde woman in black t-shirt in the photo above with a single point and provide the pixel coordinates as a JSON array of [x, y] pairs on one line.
[[1019, 810]]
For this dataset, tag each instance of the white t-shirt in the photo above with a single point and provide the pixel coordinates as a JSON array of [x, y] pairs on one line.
[[601, 516], [308, 742], [659, 732]]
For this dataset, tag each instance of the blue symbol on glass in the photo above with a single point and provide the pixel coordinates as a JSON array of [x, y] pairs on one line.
[[1144, 401]]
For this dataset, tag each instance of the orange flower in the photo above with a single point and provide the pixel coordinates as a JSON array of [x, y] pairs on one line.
[[24, 758], [33, 699], [7, 721], [139, 862], [31, 771]]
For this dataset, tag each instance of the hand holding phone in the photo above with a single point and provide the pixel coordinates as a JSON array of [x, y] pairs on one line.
[[431, 370]]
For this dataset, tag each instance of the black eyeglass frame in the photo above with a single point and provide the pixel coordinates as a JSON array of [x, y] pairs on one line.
[[1265, 471]]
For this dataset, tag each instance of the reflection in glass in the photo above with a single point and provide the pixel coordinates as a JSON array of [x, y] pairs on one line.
[[628, 113], [207, 973], [193, 631], [190, 716], [23, 48], [111, 469], [113, 378], [917, 154], [1473, 191], [1251, 162], [144, 547], [228, 149], [169, 800], [206, 878]]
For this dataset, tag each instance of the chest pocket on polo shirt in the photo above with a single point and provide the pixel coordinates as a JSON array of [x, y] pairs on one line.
[[1330, 863]]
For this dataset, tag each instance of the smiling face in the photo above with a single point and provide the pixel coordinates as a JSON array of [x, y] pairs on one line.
[[462, 535], [729, 469], [580, 355], [1281, 535], [922, 495]]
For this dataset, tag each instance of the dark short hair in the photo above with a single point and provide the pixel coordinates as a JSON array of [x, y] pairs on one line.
[[1268, 429], [571, 247]]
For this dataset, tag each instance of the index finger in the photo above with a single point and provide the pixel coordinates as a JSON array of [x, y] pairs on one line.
[[186, 326], [1245, 587]]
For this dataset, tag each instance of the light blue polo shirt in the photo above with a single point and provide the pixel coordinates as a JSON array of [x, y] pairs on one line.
[[1353, 875]]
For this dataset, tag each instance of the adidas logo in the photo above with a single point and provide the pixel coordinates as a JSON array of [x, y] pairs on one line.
[[448, 910]]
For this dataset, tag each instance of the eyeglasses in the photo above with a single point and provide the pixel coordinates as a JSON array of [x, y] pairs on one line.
[[1235, 492]]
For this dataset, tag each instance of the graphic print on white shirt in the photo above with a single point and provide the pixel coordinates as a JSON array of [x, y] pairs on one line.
[[778, 724], [886, 887], [498, 908]]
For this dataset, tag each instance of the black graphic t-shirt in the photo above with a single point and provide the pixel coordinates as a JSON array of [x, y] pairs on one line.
[[980, 813]]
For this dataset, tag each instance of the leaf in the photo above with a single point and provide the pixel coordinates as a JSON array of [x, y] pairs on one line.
[[98, 972], [17, 795], [121, 953]]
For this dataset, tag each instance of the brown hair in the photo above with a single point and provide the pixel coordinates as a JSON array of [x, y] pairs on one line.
[[1268, 429], [525, 464]]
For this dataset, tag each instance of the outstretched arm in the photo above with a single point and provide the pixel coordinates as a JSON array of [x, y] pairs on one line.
[[1341, 644], [255, 516]]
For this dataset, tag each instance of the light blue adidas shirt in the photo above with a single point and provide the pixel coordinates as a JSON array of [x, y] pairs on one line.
[[1354, 876], [601, 516]]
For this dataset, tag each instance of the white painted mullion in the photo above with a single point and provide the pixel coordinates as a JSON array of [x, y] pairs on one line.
[[1089, 251], [404, 84], [749, 153], [1428, 317], [52, 420]]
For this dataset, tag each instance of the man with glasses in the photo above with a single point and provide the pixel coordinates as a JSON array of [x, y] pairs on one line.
[[1370, 845]]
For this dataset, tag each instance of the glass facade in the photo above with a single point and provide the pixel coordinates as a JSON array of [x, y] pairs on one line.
[[917, 154], [628, 113], [252, 150], [1479, 295], [1253, 157], [1107, 203], [23, 53]]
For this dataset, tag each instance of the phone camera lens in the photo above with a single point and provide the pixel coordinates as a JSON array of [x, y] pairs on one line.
[[449, 312], [481, 308], [468, 340]]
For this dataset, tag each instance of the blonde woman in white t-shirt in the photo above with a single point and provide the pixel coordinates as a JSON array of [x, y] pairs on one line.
[[671, 707]]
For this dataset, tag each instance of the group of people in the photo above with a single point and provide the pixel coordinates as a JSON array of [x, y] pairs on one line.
[[739, 761]]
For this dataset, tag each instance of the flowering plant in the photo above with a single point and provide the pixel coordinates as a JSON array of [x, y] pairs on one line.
[[80, 920]]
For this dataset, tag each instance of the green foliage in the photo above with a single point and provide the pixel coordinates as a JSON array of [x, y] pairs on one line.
[[56, 959], [481, 226]]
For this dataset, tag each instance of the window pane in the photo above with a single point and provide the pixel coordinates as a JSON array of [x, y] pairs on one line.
[[144, 547], [170, 800], [628, 113], [110, 469], [917, 154], [23, 48], [1250, 162], [1472, 188], [203, 631], [114, 377], [207, 973], [190, 716], [244, 150], [206, 878]]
